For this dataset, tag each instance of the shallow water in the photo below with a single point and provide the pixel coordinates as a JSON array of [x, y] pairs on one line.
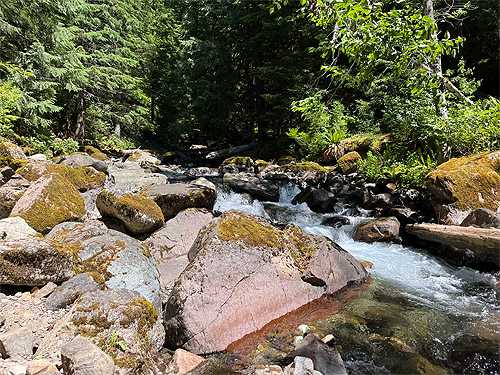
[[417, 315]]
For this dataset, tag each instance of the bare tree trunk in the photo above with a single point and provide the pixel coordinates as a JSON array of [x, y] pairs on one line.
[[80, 115], [69, 103], [118, 130]]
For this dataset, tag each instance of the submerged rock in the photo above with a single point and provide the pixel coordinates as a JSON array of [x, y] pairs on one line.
[[318, 200], [244, 272]]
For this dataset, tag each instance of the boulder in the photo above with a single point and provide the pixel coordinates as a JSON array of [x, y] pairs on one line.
[[237, 164], [318, 200], [34, 261], [349, 162], [40, 367], [256, 187], [173, 198], [11, 155], [49, 201], [81, 160], [139, 214], [82, 178], [336, 221], [483, 242], [480, 218], [309, 172], [131, 177], [183, 362], [385, 229], [69, 291], [17, 343], [300, 366], [112, 258], [6, 174], [326, 359], [95, 153], [10, 193], [143, 157], [15, 228], [170, 245], [244, 272], [81, 357], [461, 185]]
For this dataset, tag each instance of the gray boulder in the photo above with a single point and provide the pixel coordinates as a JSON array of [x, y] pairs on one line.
[[81, 357], [80, 160], [69, 291], [318, 200], [112, 258], [131, 177], [326, 359], [482, 218], [244, 272], [17, 343], [385, 229], [257, 187], [173, 198]]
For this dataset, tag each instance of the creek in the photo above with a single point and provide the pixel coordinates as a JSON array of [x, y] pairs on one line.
[[416, 314]]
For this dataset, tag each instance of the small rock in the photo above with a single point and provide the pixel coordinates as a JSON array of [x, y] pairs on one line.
[[40, 367], [482, 218], [268, 370], [303, 328], [302, 366], [298, 340], [14, 228], [81, 357], [68, 292], [45, 291], [326, 359], [17, 343], [17, 370], [185, 361], [328, 339]]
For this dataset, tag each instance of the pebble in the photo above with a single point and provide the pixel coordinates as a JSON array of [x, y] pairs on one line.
[[303, 328]]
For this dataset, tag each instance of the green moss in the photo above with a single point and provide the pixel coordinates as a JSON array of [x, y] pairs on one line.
[[473, 181], [236, 227], [239, 160], [303, 167], [128, 362], [57, 202], [286, 159], [141, 312], [349, 162], [11, 155], [135, 156], [95, 153], [97, 265], [302, 246], [91, 327], [134, 203]]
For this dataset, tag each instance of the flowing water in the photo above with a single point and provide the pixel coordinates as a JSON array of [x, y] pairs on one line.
[[415, 315]]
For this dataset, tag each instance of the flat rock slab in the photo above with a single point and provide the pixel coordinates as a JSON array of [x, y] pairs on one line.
[[244, 273], [17, 343], [131, 177], [258, 188], [81, 357]]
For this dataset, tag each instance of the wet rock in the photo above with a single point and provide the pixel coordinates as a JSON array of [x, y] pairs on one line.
[[349, 162], [40, 367], [130, 177], [360, 196], [183, 362], [170, 245], [69, 291], [10, 193], [34, 261], [49, 201], [461, 185], [326, 359], [17, 343], [385, 229], [79, 160], [237, 164], [81, 357], [244, 272], [337, 184], [318, 200], [138, 214], [381, 201], [173, 198], [258, 188], [481, 218], [15, 228], [308, 172], [336, 221]]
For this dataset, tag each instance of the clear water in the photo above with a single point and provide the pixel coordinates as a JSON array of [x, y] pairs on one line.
[[446, 315]]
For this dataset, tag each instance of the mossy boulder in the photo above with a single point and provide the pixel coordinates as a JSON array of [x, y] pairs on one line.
[[11, 155], [173, 198], [144, 157], [95, 153], [113, 259], [237, 164], [310, 172], [244, 273], [49, 201], [463, 184], [82, 160], [349, 162], [34, 261], [139, 214], [362, 143], [83, 178], [384, 229]]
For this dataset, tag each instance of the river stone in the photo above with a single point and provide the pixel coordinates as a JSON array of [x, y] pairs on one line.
[[112, 258], [138, 214], [461, 185], [15, 228], [81, 357], [384, 229], [170, 245], [349, 162], [144, 157], [79, 160], [10, 193], [326, 359], [244, 272], [173, 198], [69, 291], [318, 200], [482, 218], [258, 188], [237, 164], [307, 172], [49, 201], [131, 177], [34, 261]]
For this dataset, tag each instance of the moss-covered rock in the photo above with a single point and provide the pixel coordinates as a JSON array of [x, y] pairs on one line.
[[349, 162], [95, 153], [11, 155], [139, 214], [286, 159], [237, 164], [144, 157], [308, 172], [463, 184], [384, 229], [49, 201], [35, 261], [362, 143], [169, 156], [83, 178]]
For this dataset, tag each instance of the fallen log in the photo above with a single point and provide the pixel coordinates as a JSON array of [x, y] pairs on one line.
[[231, 151]]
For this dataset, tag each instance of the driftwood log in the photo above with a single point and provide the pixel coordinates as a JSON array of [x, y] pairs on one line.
[[231, 151]]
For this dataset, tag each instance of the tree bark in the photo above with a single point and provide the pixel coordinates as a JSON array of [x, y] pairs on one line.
[[80, 115], [69, 103]]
